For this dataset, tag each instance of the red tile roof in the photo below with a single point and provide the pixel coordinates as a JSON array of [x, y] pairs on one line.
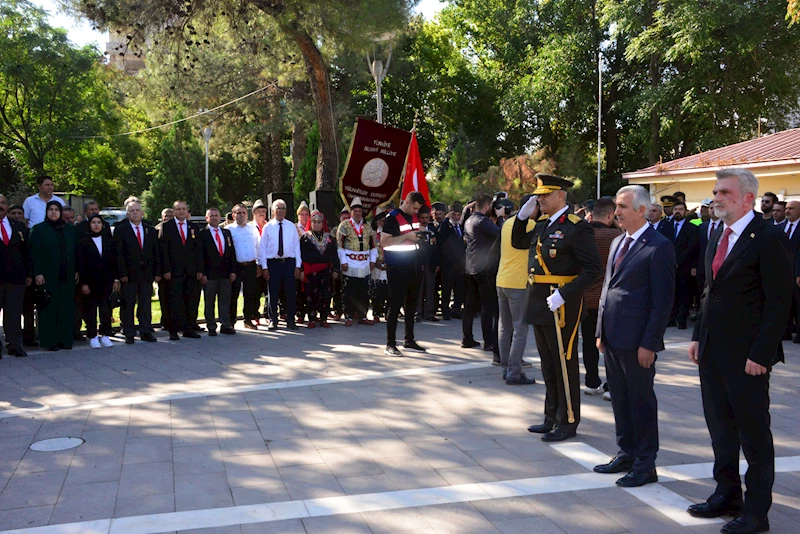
[[774, 147]]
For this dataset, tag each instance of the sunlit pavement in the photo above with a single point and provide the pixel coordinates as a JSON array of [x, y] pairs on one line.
[[318, 431]]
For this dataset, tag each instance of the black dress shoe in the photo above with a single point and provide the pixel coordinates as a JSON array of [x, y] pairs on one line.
[[150, 338], [212, 333], [30, 343], [198, 328], [173, 336], [272, 327], [617, 465], [18, 353], [54, 348], [432, 319], [715, 506], [191, 334], [544, 428], [292, 326], [413, 345], [471, 344], [446, 318], [521, 381], [227, 331], [250, 325], [488, 348], [559, 434], [635, 480], [129, 340], [746, 524]]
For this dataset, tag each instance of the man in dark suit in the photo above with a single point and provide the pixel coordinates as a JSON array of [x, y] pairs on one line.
[[632, 318], [219, 272], [667, 224], [15, 275], [182, 264], [686, 239], [793, 249], [139, 266], [739, 328], [706, 230], [453, 258]]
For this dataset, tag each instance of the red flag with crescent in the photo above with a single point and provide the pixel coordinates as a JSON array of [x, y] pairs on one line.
[[415, 179]]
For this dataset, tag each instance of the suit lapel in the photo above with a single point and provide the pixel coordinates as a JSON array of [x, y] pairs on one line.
[[634, 249], [612, 252], [750, 233]]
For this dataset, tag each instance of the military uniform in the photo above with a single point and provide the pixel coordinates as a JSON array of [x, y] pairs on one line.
[[563, 257]]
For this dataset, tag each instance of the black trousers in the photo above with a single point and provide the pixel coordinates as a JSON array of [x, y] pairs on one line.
[[635, 407], [164, 300], [481, 295], [683, 297], [338, 303], [247, 282], [591, 356], [281, 276], [453, 283], [379, 290], [355, 293], [139, 294], [78, 310], [736, 406], [11, 302], [555, 404], [428, 300], [403, 291], [90, 308], [29, 314], [182, 291]]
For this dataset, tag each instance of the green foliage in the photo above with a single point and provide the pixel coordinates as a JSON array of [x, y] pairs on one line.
[[179, 175], [305, 181], [458, 184]]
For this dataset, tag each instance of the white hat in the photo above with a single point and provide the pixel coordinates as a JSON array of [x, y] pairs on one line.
[[706, 202], [258, 204], [356, 203], [303, 206]]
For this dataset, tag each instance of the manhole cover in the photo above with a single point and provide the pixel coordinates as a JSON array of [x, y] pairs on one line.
[[56, 444]]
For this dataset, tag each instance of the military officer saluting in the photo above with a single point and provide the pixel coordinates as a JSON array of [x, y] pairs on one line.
[[564, 262]]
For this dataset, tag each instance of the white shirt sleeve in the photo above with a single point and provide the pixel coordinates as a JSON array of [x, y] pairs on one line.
[[297, 259], [262, 249], [373, 255], [342, 256]]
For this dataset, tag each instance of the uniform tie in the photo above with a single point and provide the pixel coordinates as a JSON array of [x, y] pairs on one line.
[[280, 239], [219, 242], [623, 251], [139, 238], [5, 234], [722, 251], [183, 235]]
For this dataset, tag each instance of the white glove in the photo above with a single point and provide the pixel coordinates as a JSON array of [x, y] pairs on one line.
[[528, 208], [555, 301]]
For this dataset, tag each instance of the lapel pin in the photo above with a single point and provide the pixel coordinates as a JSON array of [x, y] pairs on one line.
[[752, 236]]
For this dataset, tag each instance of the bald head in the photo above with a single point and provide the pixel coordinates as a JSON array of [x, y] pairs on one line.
[[793, 210]]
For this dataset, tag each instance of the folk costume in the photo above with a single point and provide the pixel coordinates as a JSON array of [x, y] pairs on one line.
[[357, 250], [320, 261]]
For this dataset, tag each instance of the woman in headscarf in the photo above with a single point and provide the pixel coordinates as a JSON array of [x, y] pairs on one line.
[[97, 271], [320, 266], [303, 216], [53, 248]]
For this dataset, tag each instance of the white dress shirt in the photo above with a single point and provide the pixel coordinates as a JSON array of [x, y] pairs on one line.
[[214, 233], [268, 248], [245, 241], [140, 229], [790, 228], [7, 225], [678, 227], [34, 208], [98, 242], [635, 236], [737, 229], [554, 217], [715, 224]]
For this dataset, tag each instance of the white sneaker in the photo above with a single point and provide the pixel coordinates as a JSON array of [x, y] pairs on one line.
[[106, 342], [607, 396], [593, 391], [95, 342]]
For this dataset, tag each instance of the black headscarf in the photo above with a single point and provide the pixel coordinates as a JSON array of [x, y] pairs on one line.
[[89, 226], [55, 224]]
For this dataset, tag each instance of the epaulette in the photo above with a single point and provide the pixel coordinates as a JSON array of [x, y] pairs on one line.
[[574, 219], [543, 218]]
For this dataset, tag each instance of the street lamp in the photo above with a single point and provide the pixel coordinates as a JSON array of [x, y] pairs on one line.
[[379, 70]]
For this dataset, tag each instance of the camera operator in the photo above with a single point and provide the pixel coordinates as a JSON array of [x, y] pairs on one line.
[[400, 237]]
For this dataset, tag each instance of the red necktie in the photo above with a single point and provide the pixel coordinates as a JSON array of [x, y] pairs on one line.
[[139, 237], [219, 242], [713, 227], [183, 235], [722, 251], [5, 234], [622, 253]]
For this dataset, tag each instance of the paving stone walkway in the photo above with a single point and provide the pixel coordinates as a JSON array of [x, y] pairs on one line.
[[318, 431]]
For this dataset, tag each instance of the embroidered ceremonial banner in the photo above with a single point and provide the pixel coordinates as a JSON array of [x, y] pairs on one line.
[[375, 165]]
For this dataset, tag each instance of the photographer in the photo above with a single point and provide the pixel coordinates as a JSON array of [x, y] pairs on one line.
[[400, 239], [427, 302]]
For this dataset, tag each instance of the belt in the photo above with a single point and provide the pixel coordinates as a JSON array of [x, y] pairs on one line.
[[280, 259], [551, 279], [247, 262]]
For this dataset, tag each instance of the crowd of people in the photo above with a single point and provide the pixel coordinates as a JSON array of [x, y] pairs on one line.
[[618, 269]]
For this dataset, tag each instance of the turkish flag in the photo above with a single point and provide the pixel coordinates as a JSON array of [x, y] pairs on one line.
[[415, 175]]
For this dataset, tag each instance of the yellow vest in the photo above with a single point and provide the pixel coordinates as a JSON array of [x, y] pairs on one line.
[[513, 272]]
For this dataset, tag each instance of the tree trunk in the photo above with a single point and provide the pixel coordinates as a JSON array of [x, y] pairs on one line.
[[610, 117], [299, 134], [271, 163], [655, 123]]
